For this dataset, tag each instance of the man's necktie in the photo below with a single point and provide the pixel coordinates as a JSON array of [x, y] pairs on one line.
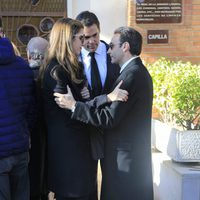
[[95, 76]]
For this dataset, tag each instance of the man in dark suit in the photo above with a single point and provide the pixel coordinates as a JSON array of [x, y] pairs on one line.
[[107, 72], [99, 70], [127, 170]]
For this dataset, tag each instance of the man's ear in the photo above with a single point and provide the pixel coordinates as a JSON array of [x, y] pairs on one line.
[[126, 46]]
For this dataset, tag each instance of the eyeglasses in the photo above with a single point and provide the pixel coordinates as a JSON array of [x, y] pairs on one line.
[[111, 45], [81, 37]]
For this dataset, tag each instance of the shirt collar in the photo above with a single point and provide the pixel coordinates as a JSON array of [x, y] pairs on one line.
[[127, 62], [101, 47]]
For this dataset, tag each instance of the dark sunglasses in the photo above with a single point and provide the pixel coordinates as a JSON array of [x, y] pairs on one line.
[[111, 45], [81, 37]]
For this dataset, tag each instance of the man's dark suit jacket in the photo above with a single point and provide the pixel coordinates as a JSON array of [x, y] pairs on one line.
[[127, 171], [97, 140]]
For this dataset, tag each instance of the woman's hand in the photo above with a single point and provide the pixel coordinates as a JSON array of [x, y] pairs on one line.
[[118, 94], [85, 93]]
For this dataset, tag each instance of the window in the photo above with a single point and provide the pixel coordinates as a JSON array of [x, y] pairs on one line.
[[34, 2], [26, 32], [46, 24]]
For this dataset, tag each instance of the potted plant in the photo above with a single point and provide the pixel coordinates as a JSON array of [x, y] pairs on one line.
[[177, 98]]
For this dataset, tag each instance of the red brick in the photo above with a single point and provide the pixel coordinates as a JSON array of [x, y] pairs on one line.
[[184, 37]]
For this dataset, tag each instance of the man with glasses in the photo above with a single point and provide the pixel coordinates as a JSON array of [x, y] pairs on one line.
[[126, 169]]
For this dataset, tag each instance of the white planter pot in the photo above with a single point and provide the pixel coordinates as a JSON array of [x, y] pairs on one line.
[[181, 146]]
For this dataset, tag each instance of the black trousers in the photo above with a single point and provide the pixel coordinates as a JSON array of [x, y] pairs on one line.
[[90, 197]]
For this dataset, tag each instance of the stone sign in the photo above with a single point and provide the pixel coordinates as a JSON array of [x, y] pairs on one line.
[[158, 11]]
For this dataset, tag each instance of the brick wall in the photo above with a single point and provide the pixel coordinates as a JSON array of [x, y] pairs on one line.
[[184, 37]]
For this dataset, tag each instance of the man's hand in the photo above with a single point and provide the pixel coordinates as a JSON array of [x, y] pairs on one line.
[[118, 94], [66, 101], [85, 93]]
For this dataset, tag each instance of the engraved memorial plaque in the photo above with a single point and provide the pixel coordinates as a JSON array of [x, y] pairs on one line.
[[158, 11]]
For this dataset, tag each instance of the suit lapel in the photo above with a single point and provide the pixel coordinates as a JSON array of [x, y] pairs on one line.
[[135, 62]]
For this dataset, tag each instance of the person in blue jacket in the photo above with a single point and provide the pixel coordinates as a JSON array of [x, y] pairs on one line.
[[16, 120]]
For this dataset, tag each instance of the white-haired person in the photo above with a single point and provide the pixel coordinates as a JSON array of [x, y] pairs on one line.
[[36, 51]]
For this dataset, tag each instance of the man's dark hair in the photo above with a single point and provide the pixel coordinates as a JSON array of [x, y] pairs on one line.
[[133, 37], [88, 19]]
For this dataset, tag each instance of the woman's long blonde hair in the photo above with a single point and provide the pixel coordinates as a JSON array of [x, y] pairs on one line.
[[60, 46]]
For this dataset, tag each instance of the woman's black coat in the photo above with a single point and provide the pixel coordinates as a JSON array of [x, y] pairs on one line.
[[71, 169]]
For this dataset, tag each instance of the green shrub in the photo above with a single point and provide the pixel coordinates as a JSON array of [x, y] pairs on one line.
[[177, 92]]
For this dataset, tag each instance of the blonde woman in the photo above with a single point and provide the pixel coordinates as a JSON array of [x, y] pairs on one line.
[[71, 169]]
